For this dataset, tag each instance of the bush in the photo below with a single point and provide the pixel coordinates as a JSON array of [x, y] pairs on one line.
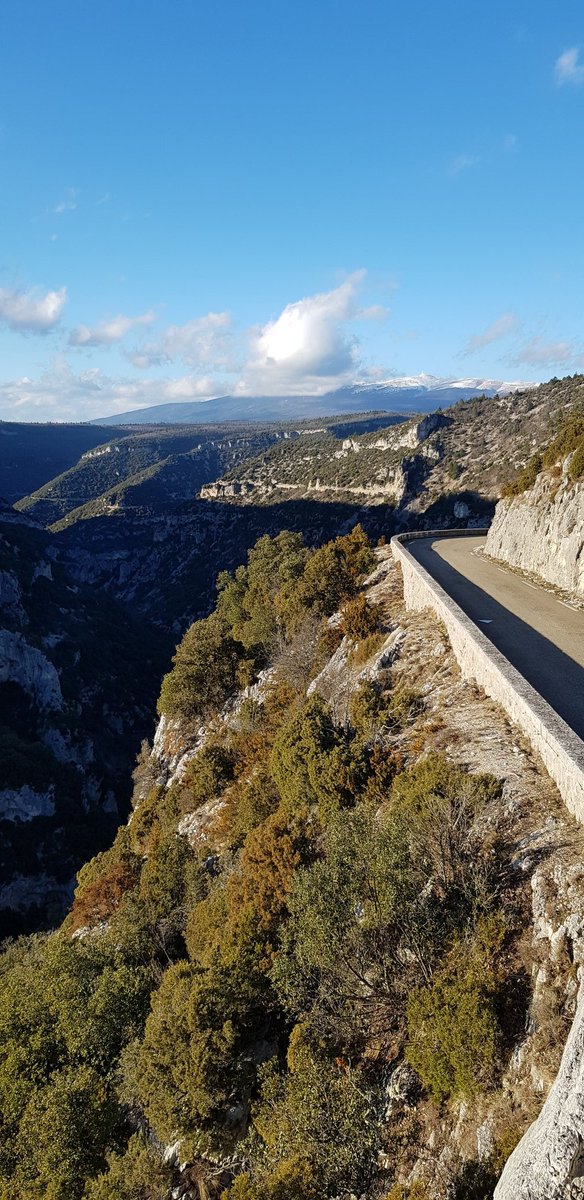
[[314, 764], [526, 477], [576, 468], [359, 618], [104, 881], [368, 708], [367, 648], [291, 1179], [316, 1124], [434, 805], [139, 1174], [453, 1031], [207, 775], [404, 706]]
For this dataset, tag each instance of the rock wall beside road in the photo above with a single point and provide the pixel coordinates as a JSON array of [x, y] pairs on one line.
[[542, 530], [560, 748]]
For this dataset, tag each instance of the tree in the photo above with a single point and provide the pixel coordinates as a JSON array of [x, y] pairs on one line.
[[204, 672]]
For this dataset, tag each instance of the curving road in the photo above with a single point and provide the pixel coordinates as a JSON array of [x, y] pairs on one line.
[[540, 634]]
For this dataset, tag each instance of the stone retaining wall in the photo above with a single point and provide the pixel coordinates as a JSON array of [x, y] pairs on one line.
[[561, 750]]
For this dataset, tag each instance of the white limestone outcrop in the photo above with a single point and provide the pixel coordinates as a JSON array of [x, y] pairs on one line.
[[25, 803], [548, 1163], [23, 664], [543, 531]]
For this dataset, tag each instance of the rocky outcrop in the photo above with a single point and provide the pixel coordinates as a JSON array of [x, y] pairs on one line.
[[24, 804], [542, 531], [413, 435], [548, 1163], [23, 664]]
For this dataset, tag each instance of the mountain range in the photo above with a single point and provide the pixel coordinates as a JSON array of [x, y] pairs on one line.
[[410, 393]]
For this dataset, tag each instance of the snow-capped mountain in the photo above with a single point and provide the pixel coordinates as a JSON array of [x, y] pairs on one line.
[[416, 393]]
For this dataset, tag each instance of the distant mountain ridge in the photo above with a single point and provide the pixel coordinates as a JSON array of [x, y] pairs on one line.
[[419, 393]]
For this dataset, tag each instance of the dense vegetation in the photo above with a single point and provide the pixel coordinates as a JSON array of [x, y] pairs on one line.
[[247, 992]]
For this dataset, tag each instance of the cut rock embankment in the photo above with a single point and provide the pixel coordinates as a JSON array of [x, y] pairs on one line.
[[542, 530]]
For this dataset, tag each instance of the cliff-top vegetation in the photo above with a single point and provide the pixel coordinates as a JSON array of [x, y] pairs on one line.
[[568, 441], [245, 996]]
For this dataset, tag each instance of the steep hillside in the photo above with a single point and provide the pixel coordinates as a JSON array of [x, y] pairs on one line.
[[31, 454], [459, 457], [539, 525], [334, 951], [174, 463], [77, 687]]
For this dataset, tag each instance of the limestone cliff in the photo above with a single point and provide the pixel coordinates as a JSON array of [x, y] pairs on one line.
[[76, 691], [542, 530]]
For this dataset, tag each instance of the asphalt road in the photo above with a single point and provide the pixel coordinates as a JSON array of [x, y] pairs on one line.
[[539, 633]]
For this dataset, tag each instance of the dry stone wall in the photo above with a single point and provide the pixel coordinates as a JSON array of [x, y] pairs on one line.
[[561, 750]]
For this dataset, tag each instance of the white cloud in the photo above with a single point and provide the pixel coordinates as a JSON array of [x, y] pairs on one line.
[[69, 203], [61, 395], [108, 332], [536, 352], [203, 342], [462, 162], [307, 348], [498, 329], [31, 310], [568, 68]]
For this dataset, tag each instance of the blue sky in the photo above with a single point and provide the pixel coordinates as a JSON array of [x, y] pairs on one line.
[[202, 196]]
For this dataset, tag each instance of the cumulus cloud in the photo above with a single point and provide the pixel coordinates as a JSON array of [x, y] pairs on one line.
[[62, 395], [536, 352], [108, 332], [307, 349], [202, 342], [31, 310], [498, 329], [568, 68]]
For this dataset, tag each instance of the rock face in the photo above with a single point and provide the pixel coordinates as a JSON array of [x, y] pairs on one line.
[[77, 687], [28, 667], [543, 531], [548, 1163]]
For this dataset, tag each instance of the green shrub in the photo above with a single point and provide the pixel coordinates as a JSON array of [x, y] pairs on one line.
[[317, 1123], [526, 478], [138, 1174], [368, 707], [434, 805], [405, 704], [207, 775], [453, 1031], [204, 673], [577, 462], [314, 764]]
